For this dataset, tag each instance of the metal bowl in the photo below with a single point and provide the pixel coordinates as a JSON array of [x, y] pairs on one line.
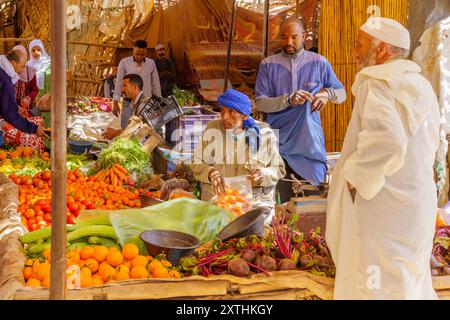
[[80, 146], [251, 223], [173, 244]]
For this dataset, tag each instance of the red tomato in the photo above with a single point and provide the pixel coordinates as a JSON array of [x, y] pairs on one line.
[[47, 217], [83, 207], [39, 213], [74, 207], [70, 219], [47, 208], [30, 214], [37, 208], [39, 219], [33, 227]]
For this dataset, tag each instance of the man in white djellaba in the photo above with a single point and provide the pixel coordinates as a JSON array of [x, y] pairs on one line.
[[382, 200]]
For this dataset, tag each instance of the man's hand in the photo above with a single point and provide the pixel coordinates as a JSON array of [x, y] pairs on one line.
[[41, 133], [300, 97], [116, 109], [217, 182], [23, 112], [25, 102], [111, 133], [256, 177], [320, 100]]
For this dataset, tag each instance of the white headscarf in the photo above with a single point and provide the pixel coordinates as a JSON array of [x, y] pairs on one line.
[[28, 73], [6, 66], [41, 64], [389, 31]]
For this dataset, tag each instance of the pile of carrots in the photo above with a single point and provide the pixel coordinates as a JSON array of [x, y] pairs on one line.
[[115, 176]]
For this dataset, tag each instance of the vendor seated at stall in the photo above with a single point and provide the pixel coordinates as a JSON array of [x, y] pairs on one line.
[[132, 89], [237, 145]]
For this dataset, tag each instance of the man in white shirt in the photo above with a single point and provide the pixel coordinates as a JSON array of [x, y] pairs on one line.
[[146, 69]]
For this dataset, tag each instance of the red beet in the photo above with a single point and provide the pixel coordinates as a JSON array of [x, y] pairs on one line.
[[267, 263], [286, 264], [248, 255], [305, 260], [238, 267]]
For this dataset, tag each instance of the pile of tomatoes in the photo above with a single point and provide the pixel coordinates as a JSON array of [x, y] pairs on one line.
[[83, 193]]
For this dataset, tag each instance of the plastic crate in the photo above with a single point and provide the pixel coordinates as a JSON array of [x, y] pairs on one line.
[[185, 131], [160, 111]]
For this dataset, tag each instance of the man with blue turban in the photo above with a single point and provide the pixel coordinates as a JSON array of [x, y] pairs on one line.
[[237, 145], [292, 87]]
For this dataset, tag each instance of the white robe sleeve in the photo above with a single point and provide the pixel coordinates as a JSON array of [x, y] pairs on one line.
[[382, 142]]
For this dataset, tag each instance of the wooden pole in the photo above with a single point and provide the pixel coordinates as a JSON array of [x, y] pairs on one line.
[[230, 39], [266, 27], [58, 150], [297, 9]]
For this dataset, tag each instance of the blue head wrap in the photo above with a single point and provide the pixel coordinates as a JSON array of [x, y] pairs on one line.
[[238, 101]]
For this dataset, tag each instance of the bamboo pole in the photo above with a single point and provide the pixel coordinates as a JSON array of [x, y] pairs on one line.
[[59, 149], [230, 40], [266, 27]]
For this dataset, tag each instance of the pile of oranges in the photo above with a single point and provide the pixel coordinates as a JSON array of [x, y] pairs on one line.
[[99, 265]]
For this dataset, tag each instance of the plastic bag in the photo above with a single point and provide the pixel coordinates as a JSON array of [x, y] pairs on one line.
[[195, 217], [238, 196]]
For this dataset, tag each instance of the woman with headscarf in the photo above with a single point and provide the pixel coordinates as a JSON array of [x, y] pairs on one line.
[[237, 145], [26, 88], [40, 61]]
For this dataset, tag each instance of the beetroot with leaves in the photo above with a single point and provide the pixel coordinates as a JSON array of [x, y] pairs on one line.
[[238, 267], [287, 264], [249, 255], [266, 263]]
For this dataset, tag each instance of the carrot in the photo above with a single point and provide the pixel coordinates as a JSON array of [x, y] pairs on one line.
[[119, 173], [122, 169], [114, 178]]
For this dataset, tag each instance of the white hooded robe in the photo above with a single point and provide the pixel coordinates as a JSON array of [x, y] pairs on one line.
[[381, 243]]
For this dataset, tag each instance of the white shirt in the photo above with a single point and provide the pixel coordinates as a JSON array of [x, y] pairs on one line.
[[147, 71]]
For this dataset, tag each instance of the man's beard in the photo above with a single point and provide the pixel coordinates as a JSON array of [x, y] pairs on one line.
[[293, 53], [370, 59]]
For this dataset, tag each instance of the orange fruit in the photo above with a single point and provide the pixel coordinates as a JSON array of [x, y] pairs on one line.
[[130, 251], [100, 253], [122, 268], [108, 274], [140, 261], [46, 254], [174, 274], [129, 264], [102, 266], [29, 263], [166, 263], [92, 264], [149, 258], [138, 272], [27, 273], [46, 282], [97, 280], [73, 256], [154, 265], [114, 258], [43, 271], [81, 263], [86, 252], [86, 278], [160, 272], [122, 276], [33, 283]]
